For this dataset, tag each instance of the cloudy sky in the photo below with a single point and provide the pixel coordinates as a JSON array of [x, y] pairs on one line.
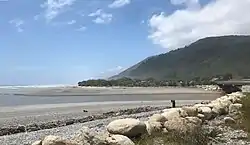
[[64, 41]]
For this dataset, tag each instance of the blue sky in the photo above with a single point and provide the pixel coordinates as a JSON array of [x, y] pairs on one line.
[[65, 41]]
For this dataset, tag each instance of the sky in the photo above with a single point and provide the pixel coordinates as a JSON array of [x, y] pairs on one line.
[[66, 41]]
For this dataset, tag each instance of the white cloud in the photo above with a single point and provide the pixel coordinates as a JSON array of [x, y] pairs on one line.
[[119, 3], [17, 23], [54, 7], [82, 28], [71, 22], [101, 17], [190, 4], [220, 17]]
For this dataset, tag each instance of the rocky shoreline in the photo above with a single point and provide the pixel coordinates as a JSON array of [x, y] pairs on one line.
[[8, 130], [210, 119]]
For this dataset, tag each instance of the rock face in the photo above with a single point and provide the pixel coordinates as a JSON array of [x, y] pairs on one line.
[[128, 127], [56, 140], [89, 137], [119, 140]]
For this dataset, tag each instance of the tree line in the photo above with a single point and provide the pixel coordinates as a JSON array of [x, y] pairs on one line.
[[151, 82]]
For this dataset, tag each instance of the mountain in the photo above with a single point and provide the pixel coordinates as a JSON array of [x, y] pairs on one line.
[[206, 57]]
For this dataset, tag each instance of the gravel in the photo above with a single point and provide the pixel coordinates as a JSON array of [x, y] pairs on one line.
[[66, 131]]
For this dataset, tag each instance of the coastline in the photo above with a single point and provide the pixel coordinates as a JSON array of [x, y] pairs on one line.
[[101, 91], [45, 119]]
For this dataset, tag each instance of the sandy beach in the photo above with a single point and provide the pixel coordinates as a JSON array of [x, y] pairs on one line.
[[40, 105], [94, 91]]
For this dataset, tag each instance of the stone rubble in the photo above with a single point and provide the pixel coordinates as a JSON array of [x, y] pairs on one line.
[[211, 117]]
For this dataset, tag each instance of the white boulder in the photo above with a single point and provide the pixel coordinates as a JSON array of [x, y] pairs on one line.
[[128, 127], [206, 111], [171, 113], [191, 111]]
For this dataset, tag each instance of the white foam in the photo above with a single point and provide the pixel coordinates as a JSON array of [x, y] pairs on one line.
[[37, 86]]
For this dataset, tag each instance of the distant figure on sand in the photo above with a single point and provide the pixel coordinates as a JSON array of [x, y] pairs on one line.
[[173, 103]]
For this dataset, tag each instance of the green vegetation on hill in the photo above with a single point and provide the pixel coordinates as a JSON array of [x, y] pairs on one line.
[[151, 82], [204, 58]]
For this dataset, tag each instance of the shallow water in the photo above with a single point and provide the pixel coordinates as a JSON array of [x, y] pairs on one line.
[[13, 100]]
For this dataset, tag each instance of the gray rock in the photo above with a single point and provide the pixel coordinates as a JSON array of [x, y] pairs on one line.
[[129, 127], [119, 140], [89, 137], [207, 112], [171, 113], [191, 111]]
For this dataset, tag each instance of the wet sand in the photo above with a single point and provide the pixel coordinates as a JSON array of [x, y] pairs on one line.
[[46, 104]]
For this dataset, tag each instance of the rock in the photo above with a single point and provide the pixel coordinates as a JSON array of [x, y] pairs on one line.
[[89, 137], [177, 125], [201, 116], [39, 142], [171, 113], [191, 111], [194, 120], [229, 120], [183, 125], [157, 118], [128, 127], [207, 112], [219, 107], [119, 140], [153, 127], [235, 108], [56, 140]]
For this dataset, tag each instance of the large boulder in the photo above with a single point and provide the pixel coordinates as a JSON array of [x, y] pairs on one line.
[[171, 113], [191, 111], [235, 108], [56, 140], [89, 137], [128, 127], [206, 111], [157, 118], [183, 125], [153, 127], [119, 140]]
